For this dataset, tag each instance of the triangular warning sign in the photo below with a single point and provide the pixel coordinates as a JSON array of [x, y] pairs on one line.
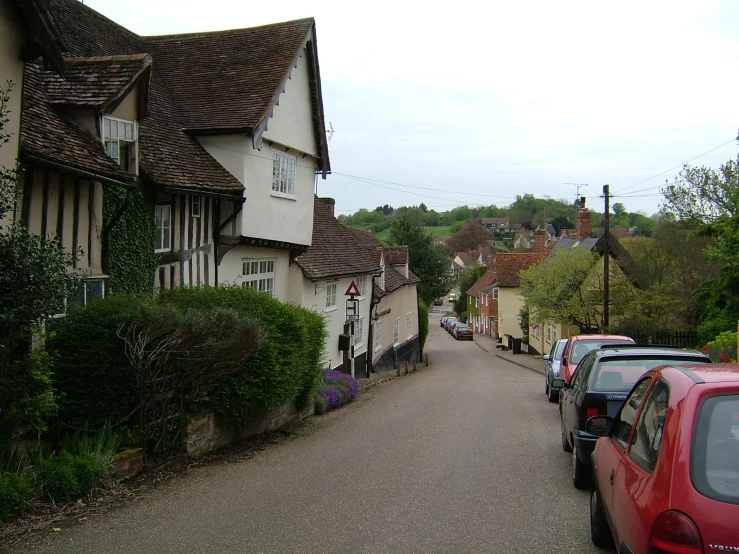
[[352, 290]]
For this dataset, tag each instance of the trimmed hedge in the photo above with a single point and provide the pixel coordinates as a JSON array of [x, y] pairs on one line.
[[286, 367], [423, 323], [96, 383]]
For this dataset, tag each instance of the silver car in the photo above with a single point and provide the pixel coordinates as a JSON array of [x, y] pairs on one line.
[[553, 360]]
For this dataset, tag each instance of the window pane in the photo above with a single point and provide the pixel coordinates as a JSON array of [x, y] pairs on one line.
[[95, 289], [648, 433], [106, 128]]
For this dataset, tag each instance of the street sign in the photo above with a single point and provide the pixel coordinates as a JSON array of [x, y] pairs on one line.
[[352, 310], [353, 290]]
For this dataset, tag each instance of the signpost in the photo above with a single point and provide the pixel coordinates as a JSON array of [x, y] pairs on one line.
[[352, 315]]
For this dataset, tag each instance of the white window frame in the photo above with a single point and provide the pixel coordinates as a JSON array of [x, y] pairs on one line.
[[163, 232], [331, 296], [195, 203], [109, 141], [362, 285], [103, 279], [378, 334], [409, 324], [396, 332], [259, 274], [357, 338], [284, 168], [495, 293], [549, 333]]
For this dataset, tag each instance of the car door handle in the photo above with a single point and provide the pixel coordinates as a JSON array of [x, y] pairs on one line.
[[613, 474]]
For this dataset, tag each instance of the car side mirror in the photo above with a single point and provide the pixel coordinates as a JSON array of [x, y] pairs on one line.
[[547, 358], [559, 384], [600, 426]]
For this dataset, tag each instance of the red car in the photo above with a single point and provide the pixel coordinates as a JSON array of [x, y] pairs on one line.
[[666, 468], [578, 346]]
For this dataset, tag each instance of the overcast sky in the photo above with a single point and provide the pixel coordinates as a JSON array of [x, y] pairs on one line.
[[497, 99]]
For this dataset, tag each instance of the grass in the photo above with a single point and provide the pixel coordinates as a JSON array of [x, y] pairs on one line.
[[434, 231]]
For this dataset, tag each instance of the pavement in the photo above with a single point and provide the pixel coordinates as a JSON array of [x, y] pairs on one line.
[[489, 344]]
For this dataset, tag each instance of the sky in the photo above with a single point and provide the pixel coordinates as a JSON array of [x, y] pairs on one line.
[[474, 103]]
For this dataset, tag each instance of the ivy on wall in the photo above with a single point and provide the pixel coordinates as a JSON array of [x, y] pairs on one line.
[[132, 259]]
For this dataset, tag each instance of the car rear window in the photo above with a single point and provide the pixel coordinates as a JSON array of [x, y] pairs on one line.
[[582, 347], [620, 374], [715, 454]]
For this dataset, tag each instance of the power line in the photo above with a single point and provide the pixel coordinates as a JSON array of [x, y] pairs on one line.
[[677, 166], [367, 179]]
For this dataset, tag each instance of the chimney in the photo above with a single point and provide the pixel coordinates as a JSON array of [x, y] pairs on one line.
[[583, 221], [540, 239], [330, 203]]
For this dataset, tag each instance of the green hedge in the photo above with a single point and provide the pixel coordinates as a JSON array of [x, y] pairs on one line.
[[93, 378], [423, 323], [286, 367], [96, 383]]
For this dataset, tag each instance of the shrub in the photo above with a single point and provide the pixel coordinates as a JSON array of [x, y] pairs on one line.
[[423, 323], [93, 378], [15, 495], [57, 477], [90, 472], [287, 366], [337, 389]]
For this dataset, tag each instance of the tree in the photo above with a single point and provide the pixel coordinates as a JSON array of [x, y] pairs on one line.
[[33, 284], [427, 260], [710, 199], [468, 277], [470, 237], [565, 288]]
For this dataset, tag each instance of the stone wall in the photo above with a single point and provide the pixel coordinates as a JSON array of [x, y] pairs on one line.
[[205, 433]]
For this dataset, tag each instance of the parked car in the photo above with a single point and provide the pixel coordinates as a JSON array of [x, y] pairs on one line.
[[449, 321], [442, 322], [579, 345], [599, 387], [452, 325], [438, 301], [462, 332], [553, 361], [667, 466]]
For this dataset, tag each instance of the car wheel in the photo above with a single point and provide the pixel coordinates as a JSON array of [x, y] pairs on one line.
[[581, 473], [600, 534], [553, 395], [565, 445], [546, 386]]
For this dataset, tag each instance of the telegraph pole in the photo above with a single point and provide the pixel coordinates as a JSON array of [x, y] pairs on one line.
[[606, 255]]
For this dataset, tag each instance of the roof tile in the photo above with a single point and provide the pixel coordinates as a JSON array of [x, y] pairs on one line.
[[510, 263]]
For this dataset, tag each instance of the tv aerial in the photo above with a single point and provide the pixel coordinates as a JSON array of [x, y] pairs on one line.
[[330, 131], [577, 192]]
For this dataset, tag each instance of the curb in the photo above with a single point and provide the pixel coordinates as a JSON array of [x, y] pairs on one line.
[[518, 364]]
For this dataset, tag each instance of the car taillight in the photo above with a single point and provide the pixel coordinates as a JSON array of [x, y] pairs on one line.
[[675, 533], [592, 408]]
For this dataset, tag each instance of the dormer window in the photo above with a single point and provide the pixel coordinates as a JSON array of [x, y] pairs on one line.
[[120, 138]]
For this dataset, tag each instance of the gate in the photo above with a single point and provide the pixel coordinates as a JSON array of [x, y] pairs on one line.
[[162, 415]]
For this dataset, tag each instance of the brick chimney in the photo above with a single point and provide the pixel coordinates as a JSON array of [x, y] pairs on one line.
[[540, 239], [583, 220], [330, 203]]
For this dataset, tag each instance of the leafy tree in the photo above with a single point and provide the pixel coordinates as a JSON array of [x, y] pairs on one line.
[[423, 207], [710, 199], [430, 262], [33, 283], [467, 277], [562, 222], [566, 288], [470, 237]]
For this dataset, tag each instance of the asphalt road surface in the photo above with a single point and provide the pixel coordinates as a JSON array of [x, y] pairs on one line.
[[462, 456]]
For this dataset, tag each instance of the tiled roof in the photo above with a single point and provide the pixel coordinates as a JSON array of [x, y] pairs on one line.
[[92, 82], [485, 251], [510, 263], [167, 155], [365, 237], [496, 220], [47, 134], [396, 255], [488, 290], [443, 239], [231, 80], [334, 251], [588, 243], [485, 281]]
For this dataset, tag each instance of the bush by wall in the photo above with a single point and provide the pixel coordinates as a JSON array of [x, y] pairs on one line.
[[16, 494], [286, 367], [423, 323], [93, 378]]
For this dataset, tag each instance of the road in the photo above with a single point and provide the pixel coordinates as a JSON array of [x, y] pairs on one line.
[[462, 456]]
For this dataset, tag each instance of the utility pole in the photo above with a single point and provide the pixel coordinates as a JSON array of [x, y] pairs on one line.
[[606, 255]]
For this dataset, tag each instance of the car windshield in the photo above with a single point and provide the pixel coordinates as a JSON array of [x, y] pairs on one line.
[[619, 375], [582, 347], [715, 456], [558, 349], [461, 327]]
